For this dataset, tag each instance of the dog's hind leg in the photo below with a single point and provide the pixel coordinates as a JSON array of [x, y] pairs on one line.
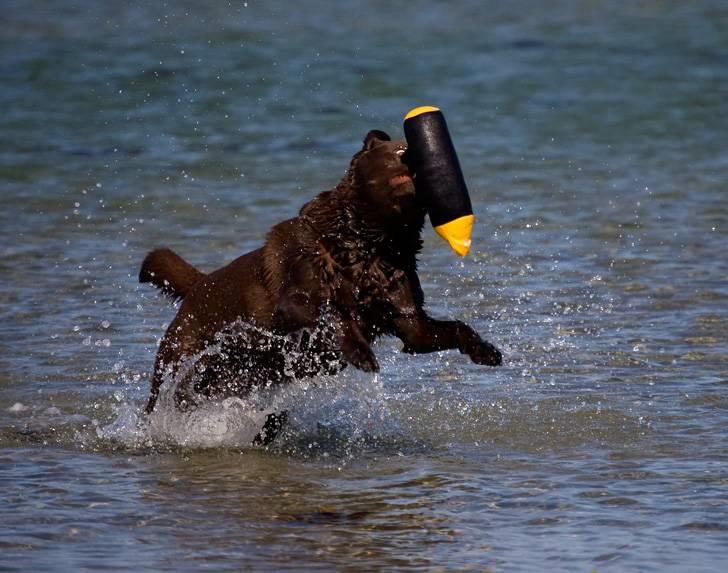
[[273, 425], [173, 350]]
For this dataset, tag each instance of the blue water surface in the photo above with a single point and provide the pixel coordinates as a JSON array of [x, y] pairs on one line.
[[594, 139]]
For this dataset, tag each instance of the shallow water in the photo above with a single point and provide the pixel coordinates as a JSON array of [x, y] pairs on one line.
[[593, 137]]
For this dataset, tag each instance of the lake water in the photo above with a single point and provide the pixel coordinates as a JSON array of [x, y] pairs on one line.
[[594, 139]]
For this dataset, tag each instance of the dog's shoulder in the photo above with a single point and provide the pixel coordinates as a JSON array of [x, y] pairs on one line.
[[292, 248]]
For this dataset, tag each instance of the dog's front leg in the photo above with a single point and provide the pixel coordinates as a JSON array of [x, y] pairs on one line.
[[295, 310], [421, 334], [356, 349], [298, 310]]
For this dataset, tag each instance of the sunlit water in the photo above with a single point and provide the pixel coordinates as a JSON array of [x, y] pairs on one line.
[[594, 138]]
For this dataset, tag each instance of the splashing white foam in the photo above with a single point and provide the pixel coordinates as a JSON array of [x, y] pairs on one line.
[[351, 403], [18, 407]]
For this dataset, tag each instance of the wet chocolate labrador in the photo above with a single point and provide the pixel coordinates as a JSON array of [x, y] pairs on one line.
[[313, 298]]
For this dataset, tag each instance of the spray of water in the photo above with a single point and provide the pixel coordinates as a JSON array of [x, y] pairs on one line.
[[347, 403]]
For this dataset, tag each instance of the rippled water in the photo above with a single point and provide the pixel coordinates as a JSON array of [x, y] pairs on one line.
[[594, 139]]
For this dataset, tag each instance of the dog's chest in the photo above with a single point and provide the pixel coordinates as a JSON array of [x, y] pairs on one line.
[[373, 282], [364, 283]]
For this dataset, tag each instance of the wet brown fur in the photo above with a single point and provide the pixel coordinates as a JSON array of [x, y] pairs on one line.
[[346, 262], [170, 273]]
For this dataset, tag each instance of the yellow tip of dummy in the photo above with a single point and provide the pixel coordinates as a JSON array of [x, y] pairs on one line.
[[420, 110], [457, 233]]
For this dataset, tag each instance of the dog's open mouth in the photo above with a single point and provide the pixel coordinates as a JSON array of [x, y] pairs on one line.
[[399, 180]]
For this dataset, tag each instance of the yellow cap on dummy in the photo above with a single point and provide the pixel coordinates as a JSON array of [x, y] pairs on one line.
[[457, 233]]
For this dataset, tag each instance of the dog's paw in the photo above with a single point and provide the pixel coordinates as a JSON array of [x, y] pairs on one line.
[[486, 354], [362, 357]]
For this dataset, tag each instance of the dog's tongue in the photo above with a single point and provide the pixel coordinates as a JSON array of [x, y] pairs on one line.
[[399, 179]]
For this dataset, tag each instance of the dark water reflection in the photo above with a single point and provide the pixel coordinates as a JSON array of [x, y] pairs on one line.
[[228, 509]]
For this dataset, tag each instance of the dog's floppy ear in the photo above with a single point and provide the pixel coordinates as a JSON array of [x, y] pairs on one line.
[[375, 137]]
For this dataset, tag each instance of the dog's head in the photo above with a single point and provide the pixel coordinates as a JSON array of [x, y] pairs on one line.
[[383, 184]]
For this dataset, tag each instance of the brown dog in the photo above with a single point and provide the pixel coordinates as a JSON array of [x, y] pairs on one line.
[[340, 274]]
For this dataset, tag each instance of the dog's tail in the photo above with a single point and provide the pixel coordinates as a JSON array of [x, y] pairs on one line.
[[170, 273]]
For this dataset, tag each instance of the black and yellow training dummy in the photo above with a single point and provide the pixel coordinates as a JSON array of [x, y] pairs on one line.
[[438, 177]]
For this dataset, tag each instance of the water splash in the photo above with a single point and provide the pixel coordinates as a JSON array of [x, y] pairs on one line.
[[351, 402]]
